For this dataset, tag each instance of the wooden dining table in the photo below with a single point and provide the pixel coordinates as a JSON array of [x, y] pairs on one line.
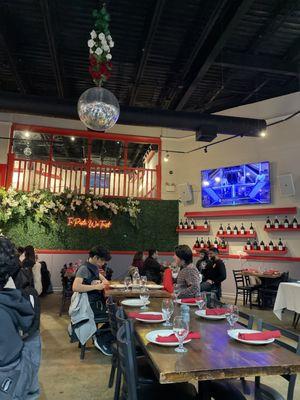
[[214, 356], [119, 293], [260, 275]]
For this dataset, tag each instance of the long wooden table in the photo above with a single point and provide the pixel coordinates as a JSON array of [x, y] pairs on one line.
[[133, 293], [261, 274], [214, 356]]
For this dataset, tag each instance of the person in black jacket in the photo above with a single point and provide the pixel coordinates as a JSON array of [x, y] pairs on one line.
[[151, 268], [214, 273]]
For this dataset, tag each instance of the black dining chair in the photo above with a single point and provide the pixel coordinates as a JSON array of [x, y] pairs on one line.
[[67, 292], [243, 287], [267, 293], [132, 389], [112, 310]]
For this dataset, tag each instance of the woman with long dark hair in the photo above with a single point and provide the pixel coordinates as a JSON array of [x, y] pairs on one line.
[[188, 279], [138, 261], [30, 263]]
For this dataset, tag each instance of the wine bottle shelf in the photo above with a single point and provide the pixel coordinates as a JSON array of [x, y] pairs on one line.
[[222, 250], [282, 229], [239, 235], [201, 229], [266, 252], [241, 212]]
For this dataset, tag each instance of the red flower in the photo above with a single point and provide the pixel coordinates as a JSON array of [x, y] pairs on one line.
[[93, 60]]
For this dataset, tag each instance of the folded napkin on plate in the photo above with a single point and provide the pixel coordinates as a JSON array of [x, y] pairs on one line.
[[216, 311], [191, 300], [172, 338], [260, 335], [149, 317]]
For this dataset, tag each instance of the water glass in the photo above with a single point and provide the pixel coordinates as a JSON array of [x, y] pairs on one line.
[[181, 330], [144, 296], [201, 301], [167, 309], [232, 315], [127, 282], [143, 281], [176, 292]]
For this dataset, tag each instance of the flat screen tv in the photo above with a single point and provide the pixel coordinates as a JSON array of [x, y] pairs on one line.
[[240, 184]]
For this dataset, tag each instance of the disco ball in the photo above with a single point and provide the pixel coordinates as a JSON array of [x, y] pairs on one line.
[[27, 151], [98, 109]]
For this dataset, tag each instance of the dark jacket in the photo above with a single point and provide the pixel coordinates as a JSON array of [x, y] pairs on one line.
[[16, 314], [152, 269], [215, 271]]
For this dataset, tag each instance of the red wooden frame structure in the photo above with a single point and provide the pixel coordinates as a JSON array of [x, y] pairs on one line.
[[119, 181]]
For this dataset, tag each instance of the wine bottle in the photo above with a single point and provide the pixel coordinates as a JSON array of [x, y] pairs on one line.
[[248, 245], [268, 223], [181, 224], [192, 224], [205, 224], [221, 230], [202, 243], [262, 245], [286, 222], [228, 229], [216, 244], [186, 224], [197, 244], [251, 229], [208, 243], [280, 245], [271, 245], [295, 223], [255, 245], [223, 244], [276, 223], [235, 230], [242, 229]]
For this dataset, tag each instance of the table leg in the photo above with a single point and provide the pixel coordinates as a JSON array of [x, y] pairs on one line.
[[204, 390]]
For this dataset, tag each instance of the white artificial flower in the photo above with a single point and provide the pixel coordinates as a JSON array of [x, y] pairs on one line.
[[106, 47], [101, 36], [69, 196], [99, 51], [108, 37], [111, 44], [91, 51], [78, 202], [93, 34], [108, 56], [91, 43]]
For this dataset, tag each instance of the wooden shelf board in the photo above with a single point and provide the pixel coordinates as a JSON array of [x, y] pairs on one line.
[[197, 229], [238, 236], [282, 229], [242, 212]]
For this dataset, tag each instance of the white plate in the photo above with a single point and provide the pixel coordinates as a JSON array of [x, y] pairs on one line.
[[202, 314], [151, 322], [151, 337], [188, 304], [117, 286], [234, 334], [154, 286], [134, 302]]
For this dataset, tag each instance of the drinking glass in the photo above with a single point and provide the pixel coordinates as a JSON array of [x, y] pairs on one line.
[[232, 315], [181, 330], [144, 296], [167, 309], [143, 281], [201, 301], [176, 292], [127, 282]]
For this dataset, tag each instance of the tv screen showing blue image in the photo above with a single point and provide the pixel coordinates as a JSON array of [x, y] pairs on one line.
[[240, 184]]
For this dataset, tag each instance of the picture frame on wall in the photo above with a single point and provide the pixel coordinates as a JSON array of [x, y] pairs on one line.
[[99, 180]]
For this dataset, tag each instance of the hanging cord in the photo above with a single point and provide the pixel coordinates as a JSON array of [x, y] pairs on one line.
[[284, 119]]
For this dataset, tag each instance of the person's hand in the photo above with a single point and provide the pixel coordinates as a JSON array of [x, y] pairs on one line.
[[209, 281], [99, 286]]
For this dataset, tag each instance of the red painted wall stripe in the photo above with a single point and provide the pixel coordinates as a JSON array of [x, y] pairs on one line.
[[242, 212]]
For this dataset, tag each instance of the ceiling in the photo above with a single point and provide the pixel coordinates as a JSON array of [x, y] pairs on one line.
[[192, 55]]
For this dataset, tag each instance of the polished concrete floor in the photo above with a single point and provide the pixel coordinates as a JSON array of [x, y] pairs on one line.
[[64, 376]]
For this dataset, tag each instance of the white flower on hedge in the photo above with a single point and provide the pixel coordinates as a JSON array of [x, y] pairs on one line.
[[78, 202], [91, 51], [108, 37], [108, 56], [106, 47], [93, 34], [99, 51], [101, 36], [69, 196], [91, 43], [111, 44]]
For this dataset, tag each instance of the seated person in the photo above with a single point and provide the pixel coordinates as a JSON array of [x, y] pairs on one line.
[[188, 279], [89, 280], [152, 268], [214, 273], [204, 261], [138, 261]]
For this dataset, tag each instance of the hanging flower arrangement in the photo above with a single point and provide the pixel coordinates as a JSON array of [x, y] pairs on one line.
[[49, 208], [100, 44]]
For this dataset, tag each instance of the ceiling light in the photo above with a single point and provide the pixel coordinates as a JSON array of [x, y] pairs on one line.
[[205, 149], [166, 157], [27, 134], [73, 138], [205, 183], [263, 134], [217, 179], [118, 142]]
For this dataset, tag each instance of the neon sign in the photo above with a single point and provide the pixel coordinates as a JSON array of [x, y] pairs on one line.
[[89, 223]]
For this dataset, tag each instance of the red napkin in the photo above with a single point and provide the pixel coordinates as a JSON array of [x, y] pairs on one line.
[[168, 281], [260, 336], [216, 311], [149, 317], [173, 339], [191, 300]]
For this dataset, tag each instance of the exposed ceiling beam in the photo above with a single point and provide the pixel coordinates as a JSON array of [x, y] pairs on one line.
[[214, 44], [137, 154], [7, 39], [48, 24], [146, 47], [257, 63]]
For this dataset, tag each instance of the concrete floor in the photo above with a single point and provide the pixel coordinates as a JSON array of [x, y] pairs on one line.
[[64, 376]]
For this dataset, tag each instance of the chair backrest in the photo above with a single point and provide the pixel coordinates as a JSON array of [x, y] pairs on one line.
[[127, 360], [238, 277], [248, 318], [120, 316], [294, 337], [112, 309]]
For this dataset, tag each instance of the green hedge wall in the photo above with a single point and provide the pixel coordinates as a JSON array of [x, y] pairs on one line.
[[157, 228]]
